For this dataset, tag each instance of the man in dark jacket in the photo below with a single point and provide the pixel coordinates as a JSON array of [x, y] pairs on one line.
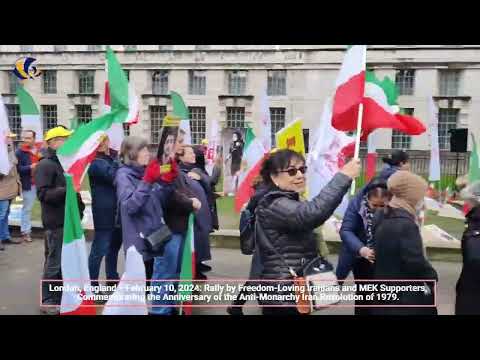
[[108, 237], [28, 156], [51, 191]]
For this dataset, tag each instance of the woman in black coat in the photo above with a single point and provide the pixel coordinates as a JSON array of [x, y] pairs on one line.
[[399, 251], [468, 285], [285, 236]]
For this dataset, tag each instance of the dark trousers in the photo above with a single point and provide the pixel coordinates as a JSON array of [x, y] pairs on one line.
[[362, 270], [106, 243], [52, 269], [256, 268]]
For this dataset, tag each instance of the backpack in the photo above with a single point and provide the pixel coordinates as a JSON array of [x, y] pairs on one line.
[[247, 231]]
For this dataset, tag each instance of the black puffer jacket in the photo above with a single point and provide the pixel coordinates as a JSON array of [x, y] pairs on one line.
[[288, 224], [51, 191]]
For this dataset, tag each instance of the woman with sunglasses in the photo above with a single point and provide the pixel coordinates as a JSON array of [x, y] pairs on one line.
[[356, 233], [285, 224]]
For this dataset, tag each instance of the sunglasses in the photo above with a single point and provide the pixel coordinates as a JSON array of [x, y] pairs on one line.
[[294, 171]]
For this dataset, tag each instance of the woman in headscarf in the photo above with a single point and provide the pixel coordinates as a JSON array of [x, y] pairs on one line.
[[468, 285], [399, 253], [399, 160], [356, 233]]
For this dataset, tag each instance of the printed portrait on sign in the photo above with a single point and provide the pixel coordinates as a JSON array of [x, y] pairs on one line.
[[233, 146]]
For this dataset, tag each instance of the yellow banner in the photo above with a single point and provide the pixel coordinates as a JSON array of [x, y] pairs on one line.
[[291, 137]]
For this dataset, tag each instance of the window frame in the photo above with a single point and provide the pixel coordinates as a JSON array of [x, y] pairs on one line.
[[276, 85]]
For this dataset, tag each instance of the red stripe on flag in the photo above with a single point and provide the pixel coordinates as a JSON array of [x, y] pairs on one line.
[[78, 168], [245, 190], [107, 94], [85, 308], [348, 97], [371, 165]]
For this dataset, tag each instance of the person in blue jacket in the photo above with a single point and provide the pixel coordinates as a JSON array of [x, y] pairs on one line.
[[357, 254], [108, 235]]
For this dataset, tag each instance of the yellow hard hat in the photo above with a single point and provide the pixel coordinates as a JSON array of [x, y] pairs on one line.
[[58, 131], [11, 135], [204, 142]]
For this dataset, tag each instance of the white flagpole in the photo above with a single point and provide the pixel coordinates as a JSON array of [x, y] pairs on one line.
[[357, 141]]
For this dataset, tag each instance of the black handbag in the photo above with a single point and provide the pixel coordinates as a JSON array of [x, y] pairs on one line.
[[156, 241]]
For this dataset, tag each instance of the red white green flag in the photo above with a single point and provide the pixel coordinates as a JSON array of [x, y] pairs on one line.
[[251, 164], [181, 110], [76, 296], [187, 272], [29, 113]]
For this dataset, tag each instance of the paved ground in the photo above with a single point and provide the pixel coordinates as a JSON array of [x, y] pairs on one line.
[[21, 267]]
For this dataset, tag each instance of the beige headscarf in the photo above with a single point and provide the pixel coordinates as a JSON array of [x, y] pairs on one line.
[[408, 190]]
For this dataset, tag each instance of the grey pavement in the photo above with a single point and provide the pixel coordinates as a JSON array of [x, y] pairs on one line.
[[21, 268]]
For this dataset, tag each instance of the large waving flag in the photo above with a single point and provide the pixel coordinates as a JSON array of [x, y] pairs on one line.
[[291, 137], [129, 297], [265, 122], [434, 173], [252, 157], [326, 156], [350, 88], [119, 95], [5, 165], [181, 110], [187, 272], [29, 113], [74, 260], [80, 149], [381, 109]]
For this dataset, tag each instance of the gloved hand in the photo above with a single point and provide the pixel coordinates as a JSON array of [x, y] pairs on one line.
[[171, 175], [152, 172]]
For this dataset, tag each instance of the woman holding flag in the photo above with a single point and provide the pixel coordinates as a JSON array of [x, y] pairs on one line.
[[286, 239]]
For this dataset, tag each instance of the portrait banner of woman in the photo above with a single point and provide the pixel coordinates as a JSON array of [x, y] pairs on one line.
[[233, 147], [168, 138]]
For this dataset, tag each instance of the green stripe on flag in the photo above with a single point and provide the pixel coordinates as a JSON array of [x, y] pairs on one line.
[[249, 137], [27, 104], [474, 166], [84, 131], [118, 86], [179, 107], [186, 273], [387, 85], [72, 228]]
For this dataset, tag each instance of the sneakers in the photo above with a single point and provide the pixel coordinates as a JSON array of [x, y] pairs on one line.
[[50, 310], [203, 268], [27, 238], [13, 241]]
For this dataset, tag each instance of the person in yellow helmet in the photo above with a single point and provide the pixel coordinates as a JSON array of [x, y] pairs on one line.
[[51, 191]]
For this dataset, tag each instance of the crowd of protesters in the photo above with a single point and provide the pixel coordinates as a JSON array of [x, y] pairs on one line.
[[134, 195]]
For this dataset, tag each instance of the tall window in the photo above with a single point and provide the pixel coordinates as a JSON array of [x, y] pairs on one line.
[[86, 81], [198, 123], [237, 82], [12, 83], [14, 120], [405, 81], [447, 120], [49, 81], [400, 140], [157, 113], [235, 117], [49, 116], [127, 74], [130, 47], [94, 47], [160, 82], [277, 118], [449, 82], [197, 81], [26, 48], [277, 82], [84, 113], [59, 48]]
